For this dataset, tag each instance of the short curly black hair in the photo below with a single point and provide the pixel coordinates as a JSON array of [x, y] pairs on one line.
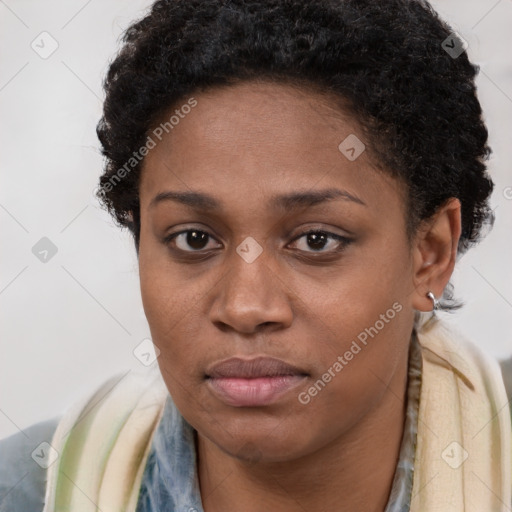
[[388, 60]]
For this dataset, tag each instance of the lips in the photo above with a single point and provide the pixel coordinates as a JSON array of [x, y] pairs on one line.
[[253, 368], [254, 382]]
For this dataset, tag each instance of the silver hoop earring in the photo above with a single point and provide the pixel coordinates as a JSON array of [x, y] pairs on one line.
[[435, 302]]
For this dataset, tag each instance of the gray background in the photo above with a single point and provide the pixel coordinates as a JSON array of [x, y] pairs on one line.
[[68, 324]]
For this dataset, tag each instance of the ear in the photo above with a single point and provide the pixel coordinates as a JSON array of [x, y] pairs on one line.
[[434, 253]]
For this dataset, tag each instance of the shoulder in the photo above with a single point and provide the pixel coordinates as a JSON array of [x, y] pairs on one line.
[[492, 376], [23, 463], [506, 371]]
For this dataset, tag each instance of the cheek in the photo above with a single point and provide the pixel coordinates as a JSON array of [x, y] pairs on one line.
[[355, 296], [356, 366], [360, 321], [176, 319], [163, 295], [165, 303]]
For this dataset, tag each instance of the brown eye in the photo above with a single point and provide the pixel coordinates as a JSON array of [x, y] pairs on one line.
[[190, 240], [317, 240]]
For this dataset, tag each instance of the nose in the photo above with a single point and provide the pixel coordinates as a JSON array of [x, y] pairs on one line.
[[251, 297]]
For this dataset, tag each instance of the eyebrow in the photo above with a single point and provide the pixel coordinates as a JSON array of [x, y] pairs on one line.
[[291, 201]]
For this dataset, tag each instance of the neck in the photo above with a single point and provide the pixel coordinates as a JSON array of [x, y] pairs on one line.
[[354, 472]]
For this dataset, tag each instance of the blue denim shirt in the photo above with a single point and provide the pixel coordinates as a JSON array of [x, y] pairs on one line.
[[170, 479]]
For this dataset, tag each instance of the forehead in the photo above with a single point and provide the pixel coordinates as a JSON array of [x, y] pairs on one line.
[[256, 140]]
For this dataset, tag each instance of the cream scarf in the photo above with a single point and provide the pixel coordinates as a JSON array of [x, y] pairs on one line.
[[463, 457]]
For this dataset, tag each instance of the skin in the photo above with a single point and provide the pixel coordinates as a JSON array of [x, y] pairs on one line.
[[243, 145]]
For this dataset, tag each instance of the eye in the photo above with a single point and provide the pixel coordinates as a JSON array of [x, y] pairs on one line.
[[194, 238], [318, 240]]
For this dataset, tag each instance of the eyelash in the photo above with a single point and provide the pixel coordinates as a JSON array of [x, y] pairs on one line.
[[343, 241]]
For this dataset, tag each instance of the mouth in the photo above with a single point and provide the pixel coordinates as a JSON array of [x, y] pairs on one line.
[[253, 383]]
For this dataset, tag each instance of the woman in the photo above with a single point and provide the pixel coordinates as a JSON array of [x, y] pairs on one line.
[[326, 162]]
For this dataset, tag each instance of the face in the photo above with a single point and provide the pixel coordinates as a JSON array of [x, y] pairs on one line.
[[227, 268]]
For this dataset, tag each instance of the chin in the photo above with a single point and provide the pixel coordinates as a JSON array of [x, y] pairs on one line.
[[279, 443]]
